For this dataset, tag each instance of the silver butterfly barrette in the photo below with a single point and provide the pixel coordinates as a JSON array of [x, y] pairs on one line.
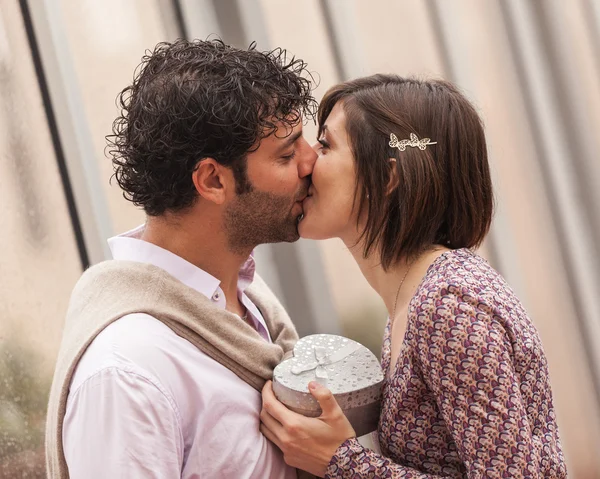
[[414, 142]]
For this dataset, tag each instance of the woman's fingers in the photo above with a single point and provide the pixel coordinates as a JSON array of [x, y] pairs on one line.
[[270, 422], [269, 435], [306, 443], [325, 398], [276, 409]]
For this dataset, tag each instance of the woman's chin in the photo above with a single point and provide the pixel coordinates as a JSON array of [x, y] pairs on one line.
[[309, 229], [304, 229]]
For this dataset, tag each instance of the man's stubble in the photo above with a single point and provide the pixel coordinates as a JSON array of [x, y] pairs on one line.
[[258, 217]]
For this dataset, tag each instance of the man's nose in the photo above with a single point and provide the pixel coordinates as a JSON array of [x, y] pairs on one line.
[[307, 162]]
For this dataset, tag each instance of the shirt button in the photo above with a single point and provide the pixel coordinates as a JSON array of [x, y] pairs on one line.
[[216, 296]]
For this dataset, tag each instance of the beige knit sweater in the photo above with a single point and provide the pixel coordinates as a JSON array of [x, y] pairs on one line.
[[113, 289]]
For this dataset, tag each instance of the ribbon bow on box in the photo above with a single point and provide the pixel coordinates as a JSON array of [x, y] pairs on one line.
[[323, 358]]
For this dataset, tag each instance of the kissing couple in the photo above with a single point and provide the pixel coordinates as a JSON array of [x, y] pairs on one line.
[[168, 349]]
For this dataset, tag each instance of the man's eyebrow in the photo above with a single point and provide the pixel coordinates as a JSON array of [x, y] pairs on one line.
[[289, 141]]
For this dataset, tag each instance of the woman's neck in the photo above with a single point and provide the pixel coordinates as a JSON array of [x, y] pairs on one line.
[[387, 282]]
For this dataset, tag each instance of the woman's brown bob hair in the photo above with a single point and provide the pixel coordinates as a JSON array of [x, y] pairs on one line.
[[440, 195]]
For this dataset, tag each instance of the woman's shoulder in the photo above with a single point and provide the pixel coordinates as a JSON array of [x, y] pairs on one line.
[[462, 278], [461, 271]]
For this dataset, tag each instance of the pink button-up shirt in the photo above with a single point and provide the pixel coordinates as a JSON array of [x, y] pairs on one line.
[[145, 402]]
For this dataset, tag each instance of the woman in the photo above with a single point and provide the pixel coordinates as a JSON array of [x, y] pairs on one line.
[[403, 179]]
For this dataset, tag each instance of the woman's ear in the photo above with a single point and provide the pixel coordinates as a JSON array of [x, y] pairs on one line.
[[394, 179], [211, 180]]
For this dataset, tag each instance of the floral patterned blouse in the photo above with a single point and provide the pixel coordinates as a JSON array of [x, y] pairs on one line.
[[470, 394]]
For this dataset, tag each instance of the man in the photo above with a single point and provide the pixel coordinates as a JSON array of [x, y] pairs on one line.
[[167, 346]]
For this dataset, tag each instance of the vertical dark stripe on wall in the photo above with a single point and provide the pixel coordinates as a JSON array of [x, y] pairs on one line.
[[180, 21], [229, 19], [335, 46], [594, 29], [438, 30], [54, 134]]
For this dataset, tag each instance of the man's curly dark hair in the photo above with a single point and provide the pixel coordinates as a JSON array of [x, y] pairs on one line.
[[198, 99]]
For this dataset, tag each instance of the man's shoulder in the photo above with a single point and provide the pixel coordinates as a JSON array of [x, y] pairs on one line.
[[138, 344]]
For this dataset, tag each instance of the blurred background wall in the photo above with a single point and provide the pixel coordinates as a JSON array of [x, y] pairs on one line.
[[532, 68]]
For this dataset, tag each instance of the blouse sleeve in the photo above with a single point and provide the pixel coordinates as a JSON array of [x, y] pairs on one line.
[[353, 461], [465, 358]]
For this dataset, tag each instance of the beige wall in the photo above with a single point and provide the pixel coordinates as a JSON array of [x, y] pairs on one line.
[[470, 44]]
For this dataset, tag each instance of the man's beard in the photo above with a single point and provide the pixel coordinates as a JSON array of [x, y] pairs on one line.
[[258, 217]]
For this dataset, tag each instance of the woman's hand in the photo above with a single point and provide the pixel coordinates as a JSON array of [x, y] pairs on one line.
[[307, 443]]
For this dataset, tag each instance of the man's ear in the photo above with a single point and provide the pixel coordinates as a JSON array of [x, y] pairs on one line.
[[211, 180], [394, 179]]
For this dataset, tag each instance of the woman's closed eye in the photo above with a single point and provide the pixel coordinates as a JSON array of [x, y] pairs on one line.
[[324, 144]]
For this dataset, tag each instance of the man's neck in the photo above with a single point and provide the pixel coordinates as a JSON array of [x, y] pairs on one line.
[[200, 241]]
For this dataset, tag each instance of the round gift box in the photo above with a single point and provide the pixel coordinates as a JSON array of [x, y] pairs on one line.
[[355, 380]]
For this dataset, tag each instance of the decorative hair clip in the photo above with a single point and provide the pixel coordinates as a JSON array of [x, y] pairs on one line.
[[414, 142]]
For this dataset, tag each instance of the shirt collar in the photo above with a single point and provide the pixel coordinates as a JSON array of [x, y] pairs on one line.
[[130, 247], [247, 272]]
